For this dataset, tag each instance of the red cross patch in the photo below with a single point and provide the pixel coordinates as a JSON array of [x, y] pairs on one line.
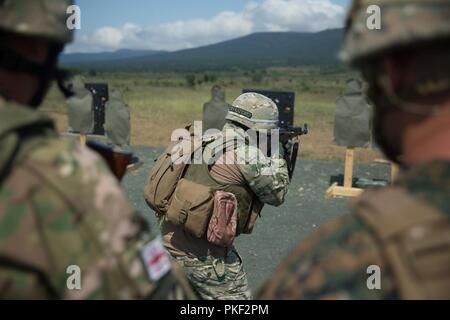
[[156, 260]]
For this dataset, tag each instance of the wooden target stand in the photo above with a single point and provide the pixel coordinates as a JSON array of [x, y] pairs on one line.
[[83, 139], [347, 189]]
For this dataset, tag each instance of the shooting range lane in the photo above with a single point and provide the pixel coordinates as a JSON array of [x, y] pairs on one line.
[[281, 228]]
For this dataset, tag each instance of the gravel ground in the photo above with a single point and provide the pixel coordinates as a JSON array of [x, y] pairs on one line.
[[279, 229]]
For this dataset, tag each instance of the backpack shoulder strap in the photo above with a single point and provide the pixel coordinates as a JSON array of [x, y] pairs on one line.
[[415, 239]]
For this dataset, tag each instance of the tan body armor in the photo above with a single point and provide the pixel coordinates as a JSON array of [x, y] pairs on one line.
[[414, 238], [198, 175]]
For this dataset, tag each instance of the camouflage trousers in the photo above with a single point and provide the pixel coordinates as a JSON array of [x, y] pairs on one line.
[[217, 278]]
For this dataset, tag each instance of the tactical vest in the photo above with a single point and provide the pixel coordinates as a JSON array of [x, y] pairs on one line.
[[191, 203], [414, 239], [199, 173]]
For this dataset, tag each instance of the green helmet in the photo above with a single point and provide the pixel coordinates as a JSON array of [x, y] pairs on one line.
[[254, 111], [403, 23], [37, 18]]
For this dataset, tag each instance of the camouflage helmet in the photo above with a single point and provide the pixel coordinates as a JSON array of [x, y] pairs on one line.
[[36, 18], [403, 23], [254, 111]]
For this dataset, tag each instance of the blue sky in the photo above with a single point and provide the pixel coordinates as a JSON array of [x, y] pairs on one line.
[[177, 24]]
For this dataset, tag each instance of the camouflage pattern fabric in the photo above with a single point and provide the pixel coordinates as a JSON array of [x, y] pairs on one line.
[[80, 108], [15, 121], [217, 278], [267, 177], [117, 119], [332, 263], [254, 111], [60, 207], [402, 23], [215, 111], [225, 278], [39, 18]]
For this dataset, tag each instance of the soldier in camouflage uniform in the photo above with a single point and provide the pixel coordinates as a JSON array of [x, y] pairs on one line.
[[396, 242], [62, 213], [216, 272], [215, 110]]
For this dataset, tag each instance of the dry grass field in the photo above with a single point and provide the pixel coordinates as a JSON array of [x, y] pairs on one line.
[[161, 103]]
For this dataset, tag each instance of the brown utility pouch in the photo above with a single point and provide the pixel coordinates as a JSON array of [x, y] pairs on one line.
[[223, 223], [191, 207], [415, 240]]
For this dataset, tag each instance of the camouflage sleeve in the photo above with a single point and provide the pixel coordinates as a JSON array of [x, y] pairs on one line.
[[68, 231], [332, 263], [267, 177]]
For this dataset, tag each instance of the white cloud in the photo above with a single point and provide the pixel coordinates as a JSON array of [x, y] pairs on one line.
[[297, 15], [268, 15]]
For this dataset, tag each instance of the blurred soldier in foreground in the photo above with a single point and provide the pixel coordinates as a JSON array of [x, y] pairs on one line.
[[117, 119], [66, 229], [220, 198], [80, 107], [215, 110], [396, 242]]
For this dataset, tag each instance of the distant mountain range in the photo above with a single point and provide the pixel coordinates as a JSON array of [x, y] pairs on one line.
[[257, 50], [75, 58]]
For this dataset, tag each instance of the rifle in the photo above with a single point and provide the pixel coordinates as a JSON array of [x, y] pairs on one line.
[[119, 161], [288, 133], [289, 142]]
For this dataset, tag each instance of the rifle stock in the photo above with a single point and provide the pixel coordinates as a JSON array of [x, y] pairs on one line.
[[117, 160]]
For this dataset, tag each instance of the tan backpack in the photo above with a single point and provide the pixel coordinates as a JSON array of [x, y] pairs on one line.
[[167, 171], [414, 238], [183, 201]]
